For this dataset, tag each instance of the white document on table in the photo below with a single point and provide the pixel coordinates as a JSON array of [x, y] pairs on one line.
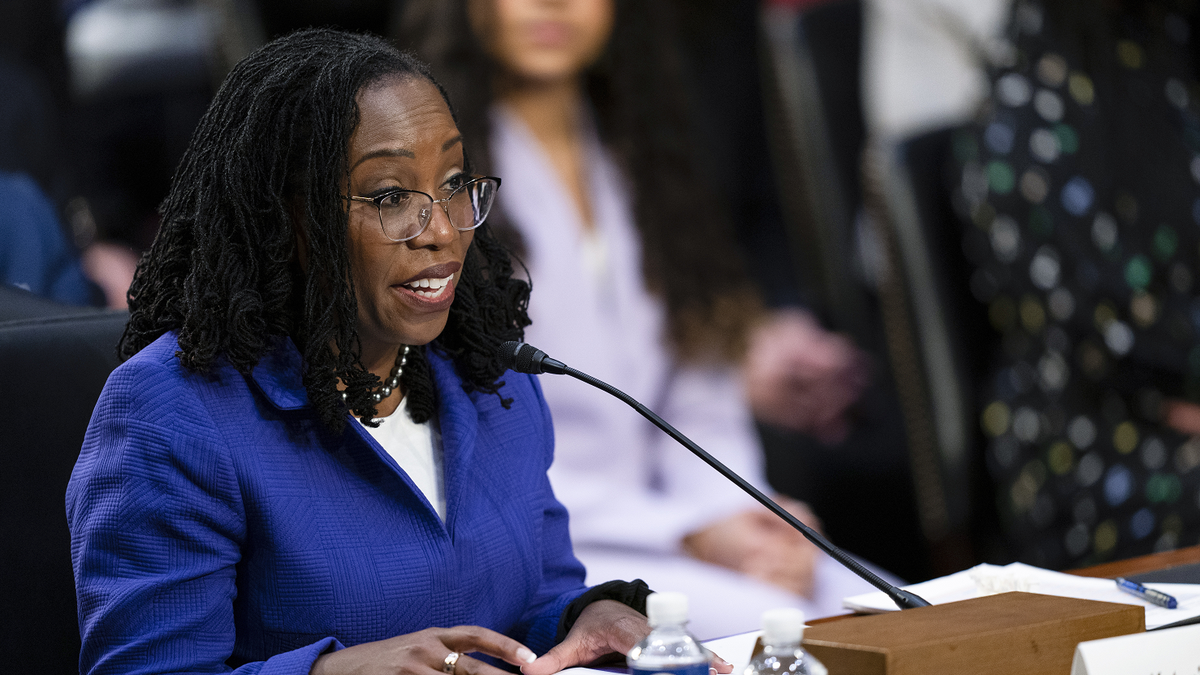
[[987, 579]]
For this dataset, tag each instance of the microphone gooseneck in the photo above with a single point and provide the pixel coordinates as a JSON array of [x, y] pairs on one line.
[[525, 358]]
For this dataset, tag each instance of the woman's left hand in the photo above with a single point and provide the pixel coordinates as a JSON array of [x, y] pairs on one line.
[[604, 627]]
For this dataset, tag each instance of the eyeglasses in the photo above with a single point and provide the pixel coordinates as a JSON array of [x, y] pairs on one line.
[[404, 214]]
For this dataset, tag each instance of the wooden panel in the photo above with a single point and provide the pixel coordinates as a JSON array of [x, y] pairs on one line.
[[996, 635], [1142, 564]]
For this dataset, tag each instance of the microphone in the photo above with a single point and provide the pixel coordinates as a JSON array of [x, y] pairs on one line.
[[525, 358]]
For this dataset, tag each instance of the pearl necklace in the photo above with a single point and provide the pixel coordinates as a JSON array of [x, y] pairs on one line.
[[393, 381]]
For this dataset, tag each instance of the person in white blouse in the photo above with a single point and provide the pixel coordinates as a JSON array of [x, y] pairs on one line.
[[584, 134]]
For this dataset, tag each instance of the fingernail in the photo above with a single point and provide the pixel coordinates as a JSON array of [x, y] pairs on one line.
[[712, 671], [526, 655], [721, 662]]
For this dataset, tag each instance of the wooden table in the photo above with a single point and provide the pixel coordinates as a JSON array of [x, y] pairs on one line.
[[1143, 564]]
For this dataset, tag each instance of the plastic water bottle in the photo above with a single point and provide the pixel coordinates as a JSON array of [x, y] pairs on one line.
[[669, 648], [782, 654]]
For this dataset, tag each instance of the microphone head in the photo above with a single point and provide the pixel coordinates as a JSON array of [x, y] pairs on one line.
[[525, 358], [518, 356]]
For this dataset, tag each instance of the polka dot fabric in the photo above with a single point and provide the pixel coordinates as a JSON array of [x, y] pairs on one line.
[[1079, 189]]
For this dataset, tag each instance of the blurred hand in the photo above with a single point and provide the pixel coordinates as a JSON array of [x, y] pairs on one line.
[[1182, 416], [801, 377], [759, 544], [418, 653], [111, 267]]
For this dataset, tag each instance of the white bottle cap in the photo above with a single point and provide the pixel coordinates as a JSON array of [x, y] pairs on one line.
[[666, 608], [782, 626]]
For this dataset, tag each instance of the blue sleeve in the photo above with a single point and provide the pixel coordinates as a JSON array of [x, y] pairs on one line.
[[34, 253], [157, 525], [562, 573]]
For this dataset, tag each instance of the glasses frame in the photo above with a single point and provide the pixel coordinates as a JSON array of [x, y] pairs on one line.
[[378, 202]]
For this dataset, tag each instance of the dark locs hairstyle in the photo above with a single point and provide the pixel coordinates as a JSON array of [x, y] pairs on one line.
[[640, 104], [266, 165]]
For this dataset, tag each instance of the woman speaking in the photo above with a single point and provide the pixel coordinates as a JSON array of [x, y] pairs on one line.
[[310, 461]]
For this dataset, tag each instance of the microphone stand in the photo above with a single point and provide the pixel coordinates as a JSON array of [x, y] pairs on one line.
[[903, 599], [526, 358]]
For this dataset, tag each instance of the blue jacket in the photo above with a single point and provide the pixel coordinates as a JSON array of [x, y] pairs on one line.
[[215, 521]]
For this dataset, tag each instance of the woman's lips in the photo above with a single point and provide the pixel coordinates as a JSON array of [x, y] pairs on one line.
[[432, 289], [549, 34], [429, 288], [439, 271]]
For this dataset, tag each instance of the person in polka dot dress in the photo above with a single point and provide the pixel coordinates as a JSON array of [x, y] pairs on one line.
[[1079, 188]]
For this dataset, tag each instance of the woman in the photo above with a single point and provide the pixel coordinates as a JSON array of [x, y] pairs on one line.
[[1080, 186], [319, 256], [579, 104]]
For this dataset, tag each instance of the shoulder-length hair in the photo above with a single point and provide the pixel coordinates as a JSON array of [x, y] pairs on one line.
[[637, 93]]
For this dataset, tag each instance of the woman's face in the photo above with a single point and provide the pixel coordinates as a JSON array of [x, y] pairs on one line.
[[542, 40], [405, 138]]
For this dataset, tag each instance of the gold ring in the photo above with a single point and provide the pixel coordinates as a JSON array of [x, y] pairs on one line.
[[449, 662]]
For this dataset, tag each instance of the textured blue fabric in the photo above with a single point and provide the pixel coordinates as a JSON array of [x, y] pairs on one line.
[[215, 522]]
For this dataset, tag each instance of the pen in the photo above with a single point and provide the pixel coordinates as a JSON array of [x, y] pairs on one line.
[[1148, 594]]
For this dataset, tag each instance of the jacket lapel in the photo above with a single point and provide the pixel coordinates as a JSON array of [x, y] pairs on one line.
[[279, 375], [459, 422]]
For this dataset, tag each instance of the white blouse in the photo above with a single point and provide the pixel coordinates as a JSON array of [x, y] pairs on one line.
[[417, 448], [625, 483]]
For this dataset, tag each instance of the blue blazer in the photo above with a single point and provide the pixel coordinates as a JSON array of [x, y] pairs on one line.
[[215, 521]]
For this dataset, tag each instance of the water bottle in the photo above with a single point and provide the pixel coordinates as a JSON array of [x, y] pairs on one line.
[[669, 648], [782, 653]]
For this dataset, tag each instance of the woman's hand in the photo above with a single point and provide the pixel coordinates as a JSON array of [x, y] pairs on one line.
[[801, 377], [604, 627], [424, 653], [759, 544]]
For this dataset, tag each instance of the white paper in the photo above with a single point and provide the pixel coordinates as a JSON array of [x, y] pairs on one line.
[[986, 579], [1174, 650], [736, 649]]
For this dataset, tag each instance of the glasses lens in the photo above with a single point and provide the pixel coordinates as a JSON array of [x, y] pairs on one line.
[[404, 214], [469, 206]]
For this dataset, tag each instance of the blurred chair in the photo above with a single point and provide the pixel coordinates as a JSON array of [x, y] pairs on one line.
[[938, 337], [142, 75], [863, 489], [54, 362], [816, 121]]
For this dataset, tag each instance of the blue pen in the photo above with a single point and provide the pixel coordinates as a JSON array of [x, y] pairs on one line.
[[1148, 594]]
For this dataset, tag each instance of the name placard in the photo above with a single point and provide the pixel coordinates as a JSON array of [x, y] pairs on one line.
[[1171, 651]]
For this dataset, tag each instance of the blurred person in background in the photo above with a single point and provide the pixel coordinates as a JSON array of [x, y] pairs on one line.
[[1079, 186], [580, 106], [36, 252]]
